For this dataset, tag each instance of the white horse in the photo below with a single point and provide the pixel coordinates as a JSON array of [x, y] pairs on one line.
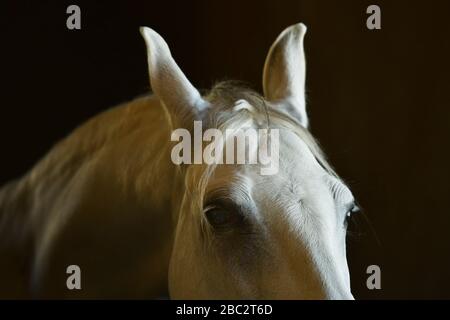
[[109, 199]]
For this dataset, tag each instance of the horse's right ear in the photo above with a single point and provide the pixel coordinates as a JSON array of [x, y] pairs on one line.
[[168, 82]]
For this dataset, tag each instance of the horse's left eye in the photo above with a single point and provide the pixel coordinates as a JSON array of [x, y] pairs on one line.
[[353, 209]]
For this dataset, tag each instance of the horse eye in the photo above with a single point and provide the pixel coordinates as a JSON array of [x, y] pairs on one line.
[[220, 218], [353, 209]]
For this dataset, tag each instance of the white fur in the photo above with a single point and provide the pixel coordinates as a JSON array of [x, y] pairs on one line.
[[285, 72], [108, 198]]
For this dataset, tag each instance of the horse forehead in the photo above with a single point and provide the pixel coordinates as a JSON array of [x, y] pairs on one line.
[[298, 167], [296, 158]]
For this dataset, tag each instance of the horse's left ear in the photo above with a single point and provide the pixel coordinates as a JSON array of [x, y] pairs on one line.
[[181, 99], [285, 72]]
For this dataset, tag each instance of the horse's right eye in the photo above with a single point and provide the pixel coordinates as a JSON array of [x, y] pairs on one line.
[[217, 217], [221, 218]]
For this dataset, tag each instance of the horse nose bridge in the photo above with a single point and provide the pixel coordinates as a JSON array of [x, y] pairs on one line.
[[312, 263], [340, 293], [317, 269], [332, 275]]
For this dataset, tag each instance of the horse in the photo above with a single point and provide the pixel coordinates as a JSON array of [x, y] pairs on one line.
[[110, 200]]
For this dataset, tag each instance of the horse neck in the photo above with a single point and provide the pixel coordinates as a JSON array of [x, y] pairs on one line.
[[14, 205], [117, 165], [129, 145], [124, 150]]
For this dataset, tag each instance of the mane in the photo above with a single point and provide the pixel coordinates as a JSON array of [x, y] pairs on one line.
[[223, 96], [222, 116]]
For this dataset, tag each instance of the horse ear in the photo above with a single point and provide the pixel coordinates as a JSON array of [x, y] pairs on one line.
[[179, 96], [285, 72]]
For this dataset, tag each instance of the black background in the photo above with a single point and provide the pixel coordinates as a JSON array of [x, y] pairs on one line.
[[378, 101]]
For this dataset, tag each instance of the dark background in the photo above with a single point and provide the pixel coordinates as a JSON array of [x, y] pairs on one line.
[[378, 101]]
